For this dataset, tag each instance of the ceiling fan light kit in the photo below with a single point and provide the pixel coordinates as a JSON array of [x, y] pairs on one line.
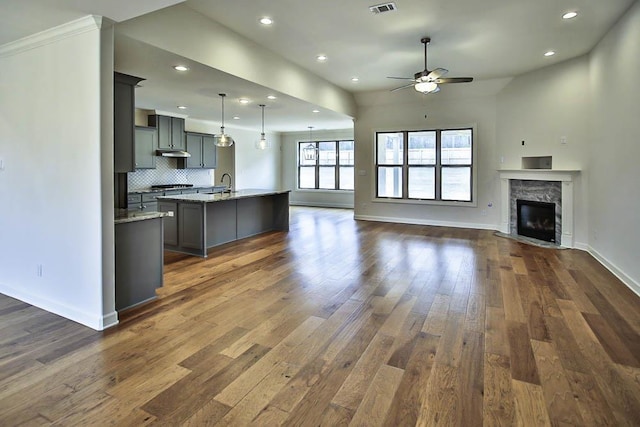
[[427, 81]]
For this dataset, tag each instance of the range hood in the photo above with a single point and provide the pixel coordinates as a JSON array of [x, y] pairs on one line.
[[172, 153]]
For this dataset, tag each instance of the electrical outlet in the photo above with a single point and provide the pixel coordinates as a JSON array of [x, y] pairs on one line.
[[39, 270], [483, 212], [169, 213], [563, 140]]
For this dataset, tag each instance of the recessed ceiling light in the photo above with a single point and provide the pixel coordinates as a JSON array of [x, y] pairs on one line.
[[321, 58], [355, 79], [236, 117], [180, 68], [271, 97], [182, 107], [315, 111], [266, 20], [549, 53], [569, 15], [243, 101]]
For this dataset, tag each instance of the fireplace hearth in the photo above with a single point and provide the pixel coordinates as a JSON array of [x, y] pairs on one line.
[[536, 219]]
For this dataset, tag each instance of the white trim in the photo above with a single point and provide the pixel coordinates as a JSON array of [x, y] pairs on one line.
[[109, 320], [53, 35], [539, 174], [322, 204], [426, 222], [456, 203], [87, 319], [628, 281]]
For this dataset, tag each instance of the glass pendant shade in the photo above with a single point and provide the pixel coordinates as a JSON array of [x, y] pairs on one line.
[[223, 140], [262, 144], [309, 152], [425, 87]]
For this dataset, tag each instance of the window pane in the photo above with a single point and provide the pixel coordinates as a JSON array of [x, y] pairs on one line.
[[422, 148], [346, 177], [422, 183], [328, 177], [307, 177], [456, 147], [327, 153], [390, 148], [346, 152], [307, 153], [389, 182], [456, 183]]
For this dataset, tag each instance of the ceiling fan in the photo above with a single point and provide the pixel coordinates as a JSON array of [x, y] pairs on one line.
[[426, 81]]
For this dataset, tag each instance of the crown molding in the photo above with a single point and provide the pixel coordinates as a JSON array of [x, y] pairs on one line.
[[55, 34]]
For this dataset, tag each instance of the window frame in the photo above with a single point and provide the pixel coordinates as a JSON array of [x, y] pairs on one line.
[[318, 166], [437, 200]]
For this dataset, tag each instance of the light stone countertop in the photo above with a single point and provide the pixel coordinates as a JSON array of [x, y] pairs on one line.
[[219, 197], [122, 216]]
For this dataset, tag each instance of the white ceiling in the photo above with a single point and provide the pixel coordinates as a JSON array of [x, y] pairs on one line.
[[484, 39]]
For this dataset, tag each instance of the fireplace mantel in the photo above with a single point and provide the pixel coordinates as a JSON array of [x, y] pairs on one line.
[[564, 176]]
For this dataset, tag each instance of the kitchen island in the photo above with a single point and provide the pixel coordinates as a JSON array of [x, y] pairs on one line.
[[202, 221]]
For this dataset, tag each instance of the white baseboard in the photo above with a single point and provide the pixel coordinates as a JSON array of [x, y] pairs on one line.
[[478, 226], [322, 205], [624, 278], [87, 319]]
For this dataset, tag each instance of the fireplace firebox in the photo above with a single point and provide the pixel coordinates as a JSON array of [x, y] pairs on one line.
[[536, 219]]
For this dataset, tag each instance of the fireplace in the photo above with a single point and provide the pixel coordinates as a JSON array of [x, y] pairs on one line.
[[536, 219], [540, 185]]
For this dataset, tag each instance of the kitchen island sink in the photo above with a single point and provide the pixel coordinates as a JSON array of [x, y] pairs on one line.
[[204, 220]]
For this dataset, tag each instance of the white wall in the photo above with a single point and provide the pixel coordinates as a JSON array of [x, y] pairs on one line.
[[539, 108], [251, 168], [454, 105], [614, 175], [52, 184], [328, 198], [175, 28]]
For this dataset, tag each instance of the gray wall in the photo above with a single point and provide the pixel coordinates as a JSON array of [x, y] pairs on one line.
[[614, 174], [471, 104]]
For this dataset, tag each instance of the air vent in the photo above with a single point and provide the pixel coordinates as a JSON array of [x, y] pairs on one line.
[[381, 8]]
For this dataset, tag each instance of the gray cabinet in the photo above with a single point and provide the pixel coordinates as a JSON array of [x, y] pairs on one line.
[[202, 149], [170, 131], [145, 202], [145, 143], [170, 222], [138, 262], [191, 225], [123, 122]]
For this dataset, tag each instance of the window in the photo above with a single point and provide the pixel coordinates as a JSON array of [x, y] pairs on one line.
[[425, 165], [326, 165]]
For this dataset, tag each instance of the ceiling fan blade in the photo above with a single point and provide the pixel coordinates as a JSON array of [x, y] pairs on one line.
[[454, 80], [436, 74], [400, 78], [402, 87]]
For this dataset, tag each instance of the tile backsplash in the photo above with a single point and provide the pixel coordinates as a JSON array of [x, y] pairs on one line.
[[166, 173]]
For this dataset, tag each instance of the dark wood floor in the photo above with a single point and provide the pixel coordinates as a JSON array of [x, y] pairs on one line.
[[341, 322]]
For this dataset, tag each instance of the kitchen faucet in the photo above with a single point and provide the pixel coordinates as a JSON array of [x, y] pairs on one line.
[[222, 181]]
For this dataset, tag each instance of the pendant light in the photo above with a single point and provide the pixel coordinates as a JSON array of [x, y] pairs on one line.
[[223, 140], [262, 144], [309, 152]]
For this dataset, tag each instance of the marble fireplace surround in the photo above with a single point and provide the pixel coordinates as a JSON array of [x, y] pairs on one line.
[[565, 177]]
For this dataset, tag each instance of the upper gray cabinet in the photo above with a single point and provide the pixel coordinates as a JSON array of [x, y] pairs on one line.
[[203, 152], [146, 143], [170, 131], [123, 122]]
